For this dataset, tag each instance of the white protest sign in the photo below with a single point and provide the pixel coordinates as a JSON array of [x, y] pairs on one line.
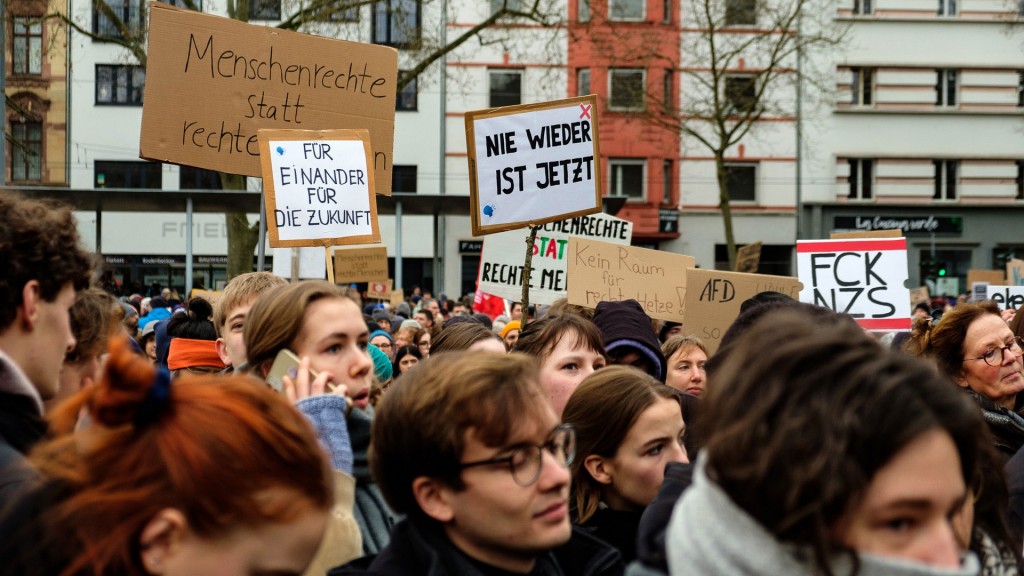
[[865, 278], [312, 263], [318, 188], [1007, 297], [501, 259], [533, 164]]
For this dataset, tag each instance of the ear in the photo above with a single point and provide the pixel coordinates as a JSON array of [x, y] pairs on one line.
[[433, 498], [31, 295], [222, 351], [161, 539], [599, 468], [961, 379]]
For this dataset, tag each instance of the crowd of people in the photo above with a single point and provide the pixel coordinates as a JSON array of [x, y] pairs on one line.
[[294, 428]]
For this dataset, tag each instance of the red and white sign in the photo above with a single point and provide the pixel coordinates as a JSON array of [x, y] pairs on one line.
[[379, 290]]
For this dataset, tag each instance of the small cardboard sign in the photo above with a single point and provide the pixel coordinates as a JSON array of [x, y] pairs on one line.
[[1015, 272], [501, 258], [318, 187], [360, 264], [976, 275], [713, 299], [213, 82], [897, 233], [211, 296], [533, 163], [1007, 297], [379, 290], [865, 278], [748, 257], [312, 265], [918, 295], [397, 297], [606, 272]]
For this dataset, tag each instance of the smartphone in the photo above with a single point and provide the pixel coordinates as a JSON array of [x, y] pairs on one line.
[[285, 364]]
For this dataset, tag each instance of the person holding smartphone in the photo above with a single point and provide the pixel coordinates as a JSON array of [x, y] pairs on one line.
[[325, 330]]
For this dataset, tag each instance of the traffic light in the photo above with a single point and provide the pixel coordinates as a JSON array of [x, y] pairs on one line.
[[942, 271]]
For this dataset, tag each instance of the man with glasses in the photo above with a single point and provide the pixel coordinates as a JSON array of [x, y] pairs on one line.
[[467, 447]]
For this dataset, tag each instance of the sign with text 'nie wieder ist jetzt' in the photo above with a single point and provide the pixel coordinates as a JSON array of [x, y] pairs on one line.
[[532, 164], [865, 278]]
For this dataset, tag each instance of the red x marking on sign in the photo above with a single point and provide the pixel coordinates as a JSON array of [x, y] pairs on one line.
[[586, 111]]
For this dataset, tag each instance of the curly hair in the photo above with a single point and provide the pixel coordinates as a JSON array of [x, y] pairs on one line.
[[39, 241]]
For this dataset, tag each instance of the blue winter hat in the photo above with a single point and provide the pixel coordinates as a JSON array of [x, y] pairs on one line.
[[382, 368], [376, 333]]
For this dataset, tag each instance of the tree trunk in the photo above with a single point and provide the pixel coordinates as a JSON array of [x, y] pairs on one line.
[[242, 236], [726, 207]]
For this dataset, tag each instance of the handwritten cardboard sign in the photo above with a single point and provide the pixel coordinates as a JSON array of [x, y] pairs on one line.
[[918, 295], [318, 187], [213, 82], [397, 297], [360, 264], [606, 272], [748, 257], [502, 255], [211, 296], [1015, 272], [379, 290], [1007, 297], [865, 278], [977, 275], [533, 164], [713, 299]]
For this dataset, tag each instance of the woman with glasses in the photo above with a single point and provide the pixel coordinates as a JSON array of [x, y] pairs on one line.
[[974, 346], [628, 426]]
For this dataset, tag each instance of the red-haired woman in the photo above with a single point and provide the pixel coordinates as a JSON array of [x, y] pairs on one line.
[[212, 475]]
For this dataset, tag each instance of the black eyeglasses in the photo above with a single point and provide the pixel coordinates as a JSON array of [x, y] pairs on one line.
[[994, 356], [524, 460]]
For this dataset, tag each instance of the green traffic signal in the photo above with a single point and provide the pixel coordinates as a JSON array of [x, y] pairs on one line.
[[942, 271]]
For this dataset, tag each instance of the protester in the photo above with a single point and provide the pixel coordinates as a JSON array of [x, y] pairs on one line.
[[510, 333], [147, 341], [382, 318], [423, 341], [974, 346], [209, 476], [798, 477], [405, 358], [44, 267], [193, 336], [628, 427], [629, 337], [160, 310], [686, 358], [467, 336], [408, 333], [569, 349], [467, 449], [93, 320], [232, 309], [325, 329], [384, 342]]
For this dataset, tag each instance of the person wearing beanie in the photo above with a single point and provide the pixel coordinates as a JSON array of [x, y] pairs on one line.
[[510, 333], [629, 338], [383, 341], [381, 364], [382, 318]]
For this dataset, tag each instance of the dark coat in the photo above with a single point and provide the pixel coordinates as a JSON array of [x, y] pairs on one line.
[[617, 528], [21, 426], [415, 551]]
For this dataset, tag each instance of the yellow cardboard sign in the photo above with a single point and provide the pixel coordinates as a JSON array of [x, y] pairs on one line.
[[360, 264]]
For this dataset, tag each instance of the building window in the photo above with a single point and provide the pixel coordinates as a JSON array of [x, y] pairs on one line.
[[862, 7], [582, 81], [626, 89], [945, 87], [407, 96], [28, 45], [126, 12], [127, 174], [741, 182], [1020, 179], [403, 178], [861, 179], [667, 88], [506, 87], [740, 94], [627, 177], [26, 151], [740, 12], [119, 84], [264, 9], [192, 178], [947, 8], [666, 182], [515, 5], [396, 23], [583, 10], [862, 86], [626, 9], [1020, 85], [945, 179], [666, 9]]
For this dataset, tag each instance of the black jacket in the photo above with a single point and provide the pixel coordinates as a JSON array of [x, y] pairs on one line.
[[1007, 426], [617, 528], [425, 551]]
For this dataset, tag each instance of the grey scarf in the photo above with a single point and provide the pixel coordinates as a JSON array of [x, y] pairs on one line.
[[710, 535]]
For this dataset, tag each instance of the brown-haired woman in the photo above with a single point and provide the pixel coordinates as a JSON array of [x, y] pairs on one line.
[[628, 427], [467, 336], [210, 476], [686, 357]]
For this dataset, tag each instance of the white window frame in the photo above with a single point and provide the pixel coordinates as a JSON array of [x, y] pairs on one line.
[[862, 79], [615, 184], [613, 18], [863, 7], [731, 108], [611, 93], [861, 188], [943, 186], [943, 78], [522, 83], [947, 8], [580, 74], [757, 173]]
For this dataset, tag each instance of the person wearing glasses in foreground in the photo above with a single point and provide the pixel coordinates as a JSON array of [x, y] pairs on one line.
[[975, 347], [467, 447]]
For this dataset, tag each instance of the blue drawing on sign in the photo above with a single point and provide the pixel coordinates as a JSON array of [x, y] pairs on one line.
[[280, 151], [489, 210]]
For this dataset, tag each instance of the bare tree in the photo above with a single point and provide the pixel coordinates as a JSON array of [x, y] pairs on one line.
[[422, 46]]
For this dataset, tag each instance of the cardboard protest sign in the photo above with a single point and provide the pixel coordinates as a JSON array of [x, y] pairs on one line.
[[918, 295], [311, 263], [1015, 272], [533, 164], [866, 234], [360, 264], [713, 299], [501, 258], [397, 297], [606, 272], [865, 278], [976, 275], [318, 187], [379, 290], [211, 296], [748, 257], [213, 82], [1007, 297]]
